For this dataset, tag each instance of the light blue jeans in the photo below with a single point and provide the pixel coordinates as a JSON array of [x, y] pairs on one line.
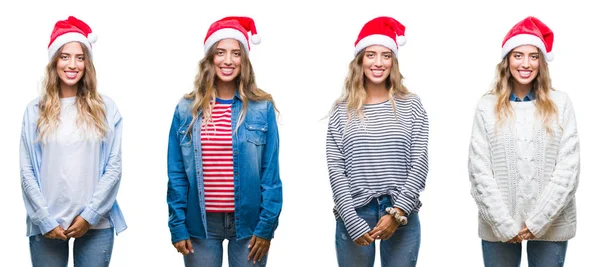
[[209, 252], [93, 249], [539, 254], [400, 250]]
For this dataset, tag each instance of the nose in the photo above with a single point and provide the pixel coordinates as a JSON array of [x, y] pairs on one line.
[[378, 61], [71, 64], [525, 62], [228, 59]]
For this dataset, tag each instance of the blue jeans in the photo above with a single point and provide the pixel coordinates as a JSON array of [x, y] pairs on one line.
[[94, 248], [402, 249], [539, 254], [209, 252]]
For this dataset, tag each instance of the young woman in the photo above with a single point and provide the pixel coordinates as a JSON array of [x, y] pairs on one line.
[[70, 157], [524, 156], [377, 154], [223, 156]]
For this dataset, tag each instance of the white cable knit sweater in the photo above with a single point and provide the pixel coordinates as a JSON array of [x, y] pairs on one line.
[[522, 176]]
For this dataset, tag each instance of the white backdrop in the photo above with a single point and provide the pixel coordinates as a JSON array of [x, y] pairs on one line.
[[146, 59]]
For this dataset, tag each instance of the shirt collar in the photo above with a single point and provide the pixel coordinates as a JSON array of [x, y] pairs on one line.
[[529, 97]]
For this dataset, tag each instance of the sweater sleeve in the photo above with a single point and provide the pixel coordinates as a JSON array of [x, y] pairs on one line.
[[484, 188], [340, 183], [562, 185], [407, 196]]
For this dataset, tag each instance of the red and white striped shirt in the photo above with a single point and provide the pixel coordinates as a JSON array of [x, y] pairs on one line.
[[217, 159]]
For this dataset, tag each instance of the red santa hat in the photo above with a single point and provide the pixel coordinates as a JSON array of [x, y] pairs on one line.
[[234, 28], [385, 31], [70, 30], [530, 31]]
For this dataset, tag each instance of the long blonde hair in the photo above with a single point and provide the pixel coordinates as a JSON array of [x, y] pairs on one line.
[[205, 93], [355, 93], [90, 106], [541, 87]]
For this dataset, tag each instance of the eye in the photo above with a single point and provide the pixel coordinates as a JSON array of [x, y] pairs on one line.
[[370, 55], [80, 58], [64, 57], [220, 53], [237, 54], [387, 56], [535, 56], [517, 56]]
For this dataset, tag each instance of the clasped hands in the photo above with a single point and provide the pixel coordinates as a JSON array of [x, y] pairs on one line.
[[524, 234], [385, 228]]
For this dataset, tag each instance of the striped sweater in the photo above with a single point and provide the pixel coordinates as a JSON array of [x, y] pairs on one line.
[[520, 175], [381, 155]]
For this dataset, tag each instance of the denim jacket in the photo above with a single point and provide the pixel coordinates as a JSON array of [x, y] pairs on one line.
[[257, 187], [39, 220]]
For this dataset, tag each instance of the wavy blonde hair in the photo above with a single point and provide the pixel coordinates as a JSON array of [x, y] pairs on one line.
[[90, 106], [355, 93], [205, 92], [541, 87]]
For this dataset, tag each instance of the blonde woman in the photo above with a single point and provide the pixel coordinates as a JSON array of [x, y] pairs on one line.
[[223, 157], [377, 154], [524, 156], [70, 157]]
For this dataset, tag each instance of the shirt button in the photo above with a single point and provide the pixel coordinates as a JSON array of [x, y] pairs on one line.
[[235, 173], [235, 152]]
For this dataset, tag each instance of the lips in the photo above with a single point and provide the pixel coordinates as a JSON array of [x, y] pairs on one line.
[[525, 74], [71, 74], [227, 71], [377, 72]]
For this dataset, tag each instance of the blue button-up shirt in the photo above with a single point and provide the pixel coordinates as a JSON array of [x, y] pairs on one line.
[[529, 97], [39, 220], [257, 186]]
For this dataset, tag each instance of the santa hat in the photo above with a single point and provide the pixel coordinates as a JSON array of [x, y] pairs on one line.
[[385, 31], [530, 31], [69, 30], [234, 28]]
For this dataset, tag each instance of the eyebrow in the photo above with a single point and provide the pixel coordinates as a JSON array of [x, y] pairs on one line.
[[63, 53], [370, 51]]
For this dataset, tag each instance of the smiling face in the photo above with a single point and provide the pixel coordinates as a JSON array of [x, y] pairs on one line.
[[227, 60], [524, 63], [70, 66], [377, 64]]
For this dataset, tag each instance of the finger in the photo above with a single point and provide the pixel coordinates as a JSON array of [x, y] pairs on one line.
[[253, 251], [258, 252], [188, 245], [252, 241], [376, 234], [369, 239]]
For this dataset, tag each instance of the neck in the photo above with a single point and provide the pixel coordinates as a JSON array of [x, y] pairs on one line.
[[376, 93], [225, 90], [521, 90], [67, 91]]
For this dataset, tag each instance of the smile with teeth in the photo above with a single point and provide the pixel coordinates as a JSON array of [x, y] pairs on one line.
[[377, 72], [227, 71], [525, 73], [71, 74]]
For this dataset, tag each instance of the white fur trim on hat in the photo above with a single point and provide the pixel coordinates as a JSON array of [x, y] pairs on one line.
[[67, 38], [376, 39], [225, 33], [525, 39]]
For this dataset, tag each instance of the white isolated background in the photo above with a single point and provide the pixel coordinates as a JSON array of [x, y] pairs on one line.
[[146, 59]]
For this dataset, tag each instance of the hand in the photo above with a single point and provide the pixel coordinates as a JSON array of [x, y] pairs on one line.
[[516, 239], [56, 233], [184, 247], [385, 228], [78, 227], [364, 240], [526, 234], [258, 248]]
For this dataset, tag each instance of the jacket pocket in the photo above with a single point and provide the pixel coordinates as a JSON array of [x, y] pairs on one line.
[[184, 137], [256, 133]]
